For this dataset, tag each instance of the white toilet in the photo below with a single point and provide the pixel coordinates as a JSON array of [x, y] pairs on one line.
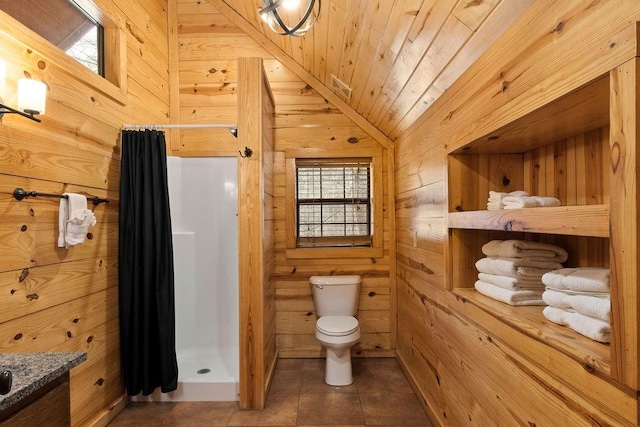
[[336, 302]]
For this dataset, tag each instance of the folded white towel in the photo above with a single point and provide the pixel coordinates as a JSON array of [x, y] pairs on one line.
[[495, 198], [596, 305], [517, 202], [584, 279], [524, 249], [74, 220], [510, 297], [512, 267], [511, 283], [596, 329]]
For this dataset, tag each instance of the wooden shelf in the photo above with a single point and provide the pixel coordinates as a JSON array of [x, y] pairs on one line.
[[582, 110], [530, 321], [586, 220]]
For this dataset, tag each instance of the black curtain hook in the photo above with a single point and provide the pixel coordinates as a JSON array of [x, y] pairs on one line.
[[248, 152]]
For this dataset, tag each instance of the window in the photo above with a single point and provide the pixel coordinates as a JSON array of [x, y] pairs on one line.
[[333, 203], [65, 24]]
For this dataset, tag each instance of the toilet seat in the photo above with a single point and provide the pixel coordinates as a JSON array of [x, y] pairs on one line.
[[337, 326]]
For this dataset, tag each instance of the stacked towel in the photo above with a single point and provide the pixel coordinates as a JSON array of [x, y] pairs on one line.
[[525, 249], [520, 297], [517, 202], [513, 269], [591, 327], [494, 202], [586, 279], [591, 304], [74, 220], [580, 298], [518, 199]]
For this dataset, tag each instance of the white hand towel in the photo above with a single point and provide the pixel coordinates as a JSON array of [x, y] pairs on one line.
[[595, 305], [596, 329], [524, 249], [495, 198], [497, 195], [511, 283], [542, 263], [78, 227], [63, 217], [585, 279], [74, 220], [511, 268], [517, 202], [509, 297], [546, 201]]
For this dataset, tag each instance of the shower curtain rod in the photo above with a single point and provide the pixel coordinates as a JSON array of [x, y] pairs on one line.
[[170, 126]]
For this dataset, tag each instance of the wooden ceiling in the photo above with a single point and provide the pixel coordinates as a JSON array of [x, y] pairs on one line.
[[397, 56]]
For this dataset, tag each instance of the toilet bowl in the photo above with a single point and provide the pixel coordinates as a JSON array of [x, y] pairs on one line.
[[335, 299], [338, 334]]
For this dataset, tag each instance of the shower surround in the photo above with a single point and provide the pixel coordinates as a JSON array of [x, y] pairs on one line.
[[204, 202]]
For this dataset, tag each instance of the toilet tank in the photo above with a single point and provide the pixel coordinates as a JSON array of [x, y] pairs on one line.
[[335, 295]]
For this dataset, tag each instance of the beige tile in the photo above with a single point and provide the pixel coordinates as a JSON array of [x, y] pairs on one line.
[[390, 408], [378, 375], [280, 410], [196, 414], [286, 381], [330, 409], [290, 364], [314, 364]]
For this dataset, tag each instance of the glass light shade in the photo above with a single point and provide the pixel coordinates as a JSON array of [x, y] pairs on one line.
[[32, 96], [3, 77], [290, 17]]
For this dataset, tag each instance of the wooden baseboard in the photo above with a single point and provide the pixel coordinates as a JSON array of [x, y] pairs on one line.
[[270, 372], [105, 417], [421, 397], [319, 354]]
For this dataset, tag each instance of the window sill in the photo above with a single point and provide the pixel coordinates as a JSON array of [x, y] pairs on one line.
[[325, 253]]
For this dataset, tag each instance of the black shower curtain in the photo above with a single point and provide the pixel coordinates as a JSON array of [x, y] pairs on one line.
[[145, 256]]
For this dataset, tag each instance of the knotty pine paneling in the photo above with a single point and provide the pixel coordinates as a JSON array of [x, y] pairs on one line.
[[396, 56], [57, 299], [456, 354], [305, 123]]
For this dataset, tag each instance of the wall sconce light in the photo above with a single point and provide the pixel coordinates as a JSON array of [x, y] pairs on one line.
[[290, 17], [32, 96]]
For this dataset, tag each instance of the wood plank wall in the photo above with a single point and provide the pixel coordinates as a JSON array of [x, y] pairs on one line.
[[55, 299], [469, 367], [305, 124], [268, 230], [256, 233]]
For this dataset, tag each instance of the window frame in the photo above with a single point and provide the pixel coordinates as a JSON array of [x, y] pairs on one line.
[[114, 82], [322, 202], [376, 200]]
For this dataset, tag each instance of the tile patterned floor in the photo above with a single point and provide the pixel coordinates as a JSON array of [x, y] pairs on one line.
[[379, 396]]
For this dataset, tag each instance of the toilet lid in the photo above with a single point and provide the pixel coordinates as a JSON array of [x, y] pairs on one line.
[[337, 325]]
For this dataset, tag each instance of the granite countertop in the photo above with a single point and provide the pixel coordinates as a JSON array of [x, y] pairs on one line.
[[33, 370]]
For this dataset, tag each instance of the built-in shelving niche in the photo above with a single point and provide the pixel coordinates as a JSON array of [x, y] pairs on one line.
[[560, 150]]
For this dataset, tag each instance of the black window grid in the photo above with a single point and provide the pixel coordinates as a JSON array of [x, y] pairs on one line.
[[325, 202]]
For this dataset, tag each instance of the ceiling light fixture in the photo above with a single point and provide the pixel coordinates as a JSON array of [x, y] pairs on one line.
[[290, 17]]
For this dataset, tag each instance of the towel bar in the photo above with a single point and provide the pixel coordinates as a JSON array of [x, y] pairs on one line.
[[21, 194]]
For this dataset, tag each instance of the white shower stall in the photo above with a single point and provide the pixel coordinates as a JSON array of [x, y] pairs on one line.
[[204, 204]]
